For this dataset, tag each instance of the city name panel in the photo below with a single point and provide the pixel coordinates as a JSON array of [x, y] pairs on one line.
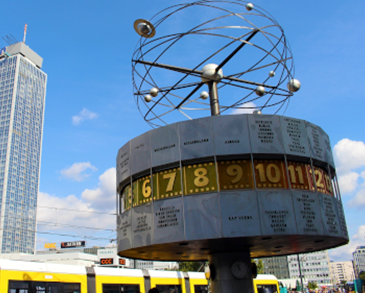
[[223, 183]]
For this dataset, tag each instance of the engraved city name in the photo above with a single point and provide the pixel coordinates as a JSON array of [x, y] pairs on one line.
[[167, 216]]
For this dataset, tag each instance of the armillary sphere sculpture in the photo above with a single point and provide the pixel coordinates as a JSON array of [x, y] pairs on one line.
[[245, 50], [223, 188]]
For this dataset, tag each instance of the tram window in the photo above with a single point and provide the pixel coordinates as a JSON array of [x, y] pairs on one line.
[[266, 289], [42, 287], [70, 288], [169, 288], [120, 288], [18, 287], [53, 287], [201, 289], [39, 287]]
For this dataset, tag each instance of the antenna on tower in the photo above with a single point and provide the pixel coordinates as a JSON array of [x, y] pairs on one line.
[[25, 33]]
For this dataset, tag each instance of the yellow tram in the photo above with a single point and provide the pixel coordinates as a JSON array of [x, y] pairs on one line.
[[36, 277]]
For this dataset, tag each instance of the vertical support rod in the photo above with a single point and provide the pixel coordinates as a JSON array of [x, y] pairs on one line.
[[300, 273], [231, 272], [213, 96]]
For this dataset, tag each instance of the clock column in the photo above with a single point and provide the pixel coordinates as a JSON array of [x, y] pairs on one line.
[[231, 272]]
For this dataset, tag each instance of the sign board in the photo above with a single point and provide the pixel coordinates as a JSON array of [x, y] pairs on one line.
[[73, 244], [50, 245], [106, 261]]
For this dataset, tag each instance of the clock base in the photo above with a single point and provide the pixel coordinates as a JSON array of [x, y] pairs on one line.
[[231, 272]]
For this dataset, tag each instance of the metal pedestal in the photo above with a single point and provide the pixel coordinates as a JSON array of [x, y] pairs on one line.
[[230, 272]]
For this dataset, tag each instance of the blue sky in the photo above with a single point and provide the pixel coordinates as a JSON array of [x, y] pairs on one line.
[[87, 48]]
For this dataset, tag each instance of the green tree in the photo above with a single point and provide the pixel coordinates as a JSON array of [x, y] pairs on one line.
[[312, 285], [260, 266], [190, 266], [362, 275], [343, 282]]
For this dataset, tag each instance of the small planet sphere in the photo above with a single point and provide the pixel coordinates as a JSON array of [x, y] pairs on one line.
[[144, 28], [272, 73], [260, 91], [209, 73], [249, 6], [148, 98], [204, 95], [257, 112], [154, 92], [293, 85]]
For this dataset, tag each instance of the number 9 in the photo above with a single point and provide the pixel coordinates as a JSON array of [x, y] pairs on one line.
[[235, 170]]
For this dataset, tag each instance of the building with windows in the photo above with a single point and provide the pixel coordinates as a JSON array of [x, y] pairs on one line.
[[342, 271], [359, 260], [312, 267], [22, 101], [277, 266]]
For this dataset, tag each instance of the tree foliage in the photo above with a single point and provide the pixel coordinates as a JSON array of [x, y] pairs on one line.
[[190, 266], [362, 275], [312, 285], [260, 266]]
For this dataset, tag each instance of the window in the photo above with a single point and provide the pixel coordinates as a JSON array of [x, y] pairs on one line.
[[267, 289], [43, 287], [120, 288], [169, 288], [201, 289]]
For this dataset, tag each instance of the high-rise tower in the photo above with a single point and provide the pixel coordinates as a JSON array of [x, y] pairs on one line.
[[22, 101]]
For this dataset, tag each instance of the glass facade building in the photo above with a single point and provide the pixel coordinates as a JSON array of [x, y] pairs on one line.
[[22, 102]]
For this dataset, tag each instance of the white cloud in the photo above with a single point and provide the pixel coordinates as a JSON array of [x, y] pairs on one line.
[[358, 200], [103, 197], [73, 215], [349, 155], [246, 109], [85, 114], [76, 171], [348, 182], [344, 253], [360, 233]]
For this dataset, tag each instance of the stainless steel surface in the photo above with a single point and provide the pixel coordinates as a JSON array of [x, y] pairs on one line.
[[294, 136], [142, 225], [165, 147], [202, 217], [265, 134], [240, 214], [230, 135], [276, 213], [316, 143], [268, 221], [123, 163], [330, 216], [196, 139], [307, 213], [140, 153], [232, 272], [213, 96], [168, 220]]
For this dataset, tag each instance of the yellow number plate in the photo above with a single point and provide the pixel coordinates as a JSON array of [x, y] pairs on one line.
[[127, 197], [235, 174], [299, 176], [167, 184], [270, 174], [200, 178]]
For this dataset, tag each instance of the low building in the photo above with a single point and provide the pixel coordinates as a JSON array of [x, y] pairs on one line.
[[311, 267], [277, 266], [359, 260], [342, 272]]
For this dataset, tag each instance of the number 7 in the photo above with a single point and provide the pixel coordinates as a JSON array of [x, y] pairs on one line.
[[171, 177]]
